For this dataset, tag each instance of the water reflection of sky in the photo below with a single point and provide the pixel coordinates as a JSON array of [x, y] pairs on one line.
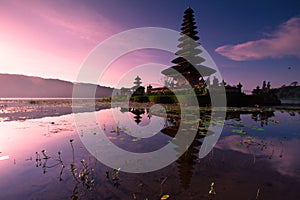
[[20, 140], [273, 141], [276, 140]]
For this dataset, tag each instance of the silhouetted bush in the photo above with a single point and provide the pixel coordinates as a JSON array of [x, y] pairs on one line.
[[163, 99], [139, 99]]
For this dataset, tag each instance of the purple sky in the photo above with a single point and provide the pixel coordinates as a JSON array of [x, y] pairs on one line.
[[250, 41]]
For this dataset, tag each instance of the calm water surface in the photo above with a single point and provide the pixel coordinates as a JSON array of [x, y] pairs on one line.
[[256, 157]]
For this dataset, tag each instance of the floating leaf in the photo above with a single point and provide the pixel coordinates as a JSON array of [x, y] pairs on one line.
[[203, 128], [135, 139], [212, 189], [239, 144], [116, 171], [258, 128], [237, 124], [241, 131], [202, 133], [164, 197]]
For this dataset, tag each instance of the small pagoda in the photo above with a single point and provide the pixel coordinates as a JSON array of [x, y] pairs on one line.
[[137, 89], [137, 83], [184, 72]]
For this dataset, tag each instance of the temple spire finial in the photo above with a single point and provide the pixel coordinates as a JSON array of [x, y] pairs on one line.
[[188, 3]]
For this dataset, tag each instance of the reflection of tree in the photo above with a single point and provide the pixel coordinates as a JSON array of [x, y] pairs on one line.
[[261, 116], [233, 115], [137, 112], [292, 113], [123, 110]]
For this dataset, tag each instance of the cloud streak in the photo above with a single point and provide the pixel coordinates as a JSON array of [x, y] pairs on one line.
[[284, 41]]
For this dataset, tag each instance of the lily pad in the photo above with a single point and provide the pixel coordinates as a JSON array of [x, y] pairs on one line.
[[257, 128], [240, 131], [239, 144], [135, 139], [164, 197]]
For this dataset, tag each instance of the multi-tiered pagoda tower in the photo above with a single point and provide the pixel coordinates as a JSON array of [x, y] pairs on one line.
[[137, 83], [188, 63]]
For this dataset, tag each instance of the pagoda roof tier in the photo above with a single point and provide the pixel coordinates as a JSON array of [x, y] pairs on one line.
[[188, 16], [189, 48], [194, 59], [138, 84], [188, 10], [189, 32], [188, 52], [188, 44], [191, 23], [187, 37], [188, 68], [188, 27], [188, 20]]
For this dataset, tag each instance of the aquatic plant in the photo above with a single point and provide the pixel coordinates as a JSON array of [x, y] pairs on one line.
[[212, 189], [83, 175], [161, 188]]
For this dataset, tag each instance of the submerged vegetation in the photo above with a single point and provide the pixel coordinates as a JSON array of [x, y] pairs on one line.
[[82, 174]]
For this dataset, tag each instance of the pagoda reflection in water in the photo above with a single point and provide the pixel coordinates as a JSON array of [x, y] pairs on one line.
[[187, 161], [137, 114]]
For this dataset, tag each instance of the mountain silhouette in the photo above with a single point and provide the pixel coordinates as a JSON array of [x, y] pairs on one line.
[[21, 86]]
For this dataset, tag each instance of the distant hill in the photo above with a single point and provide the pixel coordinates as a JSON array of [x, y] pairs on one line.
[[288, 92], [20, 86]]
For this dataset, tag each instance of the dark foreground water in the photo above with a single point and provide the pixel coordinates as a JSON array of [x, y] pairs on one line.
[[256, 157]]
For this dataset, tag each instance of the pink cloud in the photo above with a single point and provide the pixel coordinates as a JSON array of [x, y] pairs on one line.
[[282, 42], [79, 21], [49, 38], [50, 24]]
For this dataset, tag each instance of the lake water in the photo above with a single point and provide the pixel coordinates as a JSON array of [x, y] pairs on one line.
[[256, 157], [290, 101]]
